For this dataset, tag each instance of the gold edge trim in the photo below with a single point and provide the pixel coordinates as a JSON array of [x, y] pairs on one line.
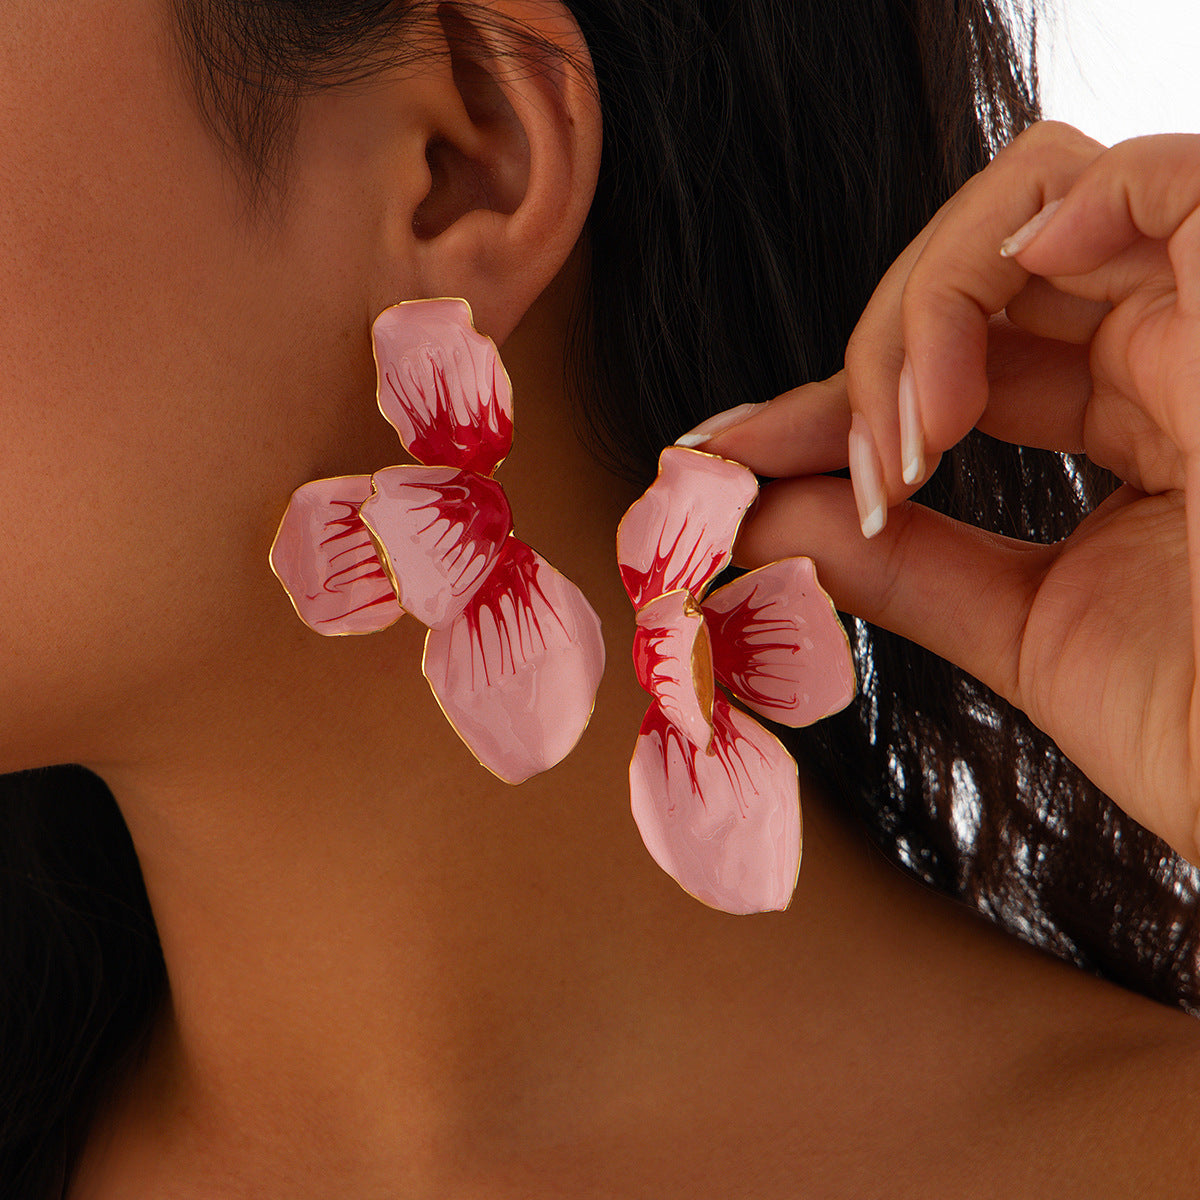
[[381, 553], [837, 620], [691, 608], [450, 720], [845, 636], [737, 529], [471, 322], [287, 591], [799, 814]]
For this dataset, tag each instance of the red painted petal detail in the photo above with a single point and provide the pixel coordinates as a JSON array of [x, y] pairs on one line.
[[440, 530], [674, 663], [680, 533], [724, 825], [778, 644], [326, 561], [442, 385], [516, 674]]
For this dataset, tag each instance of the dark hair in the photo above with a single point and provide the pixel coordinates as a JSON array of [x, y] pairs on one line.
[[764, 162]]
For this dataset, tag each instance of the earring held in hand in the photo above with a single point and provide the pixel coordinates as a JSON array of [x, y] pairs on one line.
[[514, 653], [714, 794]]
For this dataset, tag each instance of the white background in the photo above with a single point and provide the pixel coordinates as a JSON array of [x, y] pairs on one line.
[[1119, 68]]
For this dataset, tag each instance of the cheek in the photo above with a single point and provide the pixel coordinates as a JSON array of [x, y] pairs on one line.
[[128, 460]]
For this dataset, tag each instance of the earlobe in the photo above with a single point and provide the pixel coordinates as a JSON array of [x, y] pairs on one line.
[[512, 153]]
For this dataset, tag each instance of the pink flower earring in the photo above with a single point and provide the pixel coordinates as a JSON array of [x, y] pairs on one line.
[[514, 653], [714, 794]]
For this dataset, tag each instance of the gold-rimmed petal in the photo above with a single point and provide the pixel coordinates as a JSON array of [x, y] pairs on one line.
[[442, 386], [679, 535], [516, 674], [439, 531], [324, 557], [725, 826], [673, 661], [778, 644]]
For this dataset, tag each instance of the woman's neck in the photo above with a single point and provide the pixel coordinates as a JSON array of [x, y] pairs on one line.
[[389, 971]]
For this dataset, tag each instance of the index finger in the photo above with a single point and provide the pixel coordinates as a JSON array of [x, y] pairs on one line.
[[960, 281], [1146, 187]]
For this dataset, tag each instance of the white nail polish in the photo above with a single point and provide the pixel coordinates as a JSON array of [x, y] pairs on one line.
[[866, 475], [1022, 238], [912, 435], [874, 522], [718, 424]]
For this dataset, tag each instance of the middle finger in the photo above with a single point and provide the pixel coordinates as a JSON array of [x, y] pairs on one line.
[[942, 307]]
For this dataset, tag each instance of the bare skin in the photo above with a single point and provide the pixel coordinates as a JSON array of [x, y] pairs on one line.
[[392, 975], [385, 988]]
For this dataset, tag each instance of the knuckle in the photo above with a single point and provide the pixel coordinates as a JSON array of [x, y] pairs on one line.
[[1045, 149], [935, 298], [871, 373], [1051, 135], [890, 574], [863, 362]]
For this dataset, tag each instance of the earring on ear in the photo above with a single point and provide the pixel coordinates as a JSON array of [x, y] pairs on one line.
[[514, 653], [715, 795]]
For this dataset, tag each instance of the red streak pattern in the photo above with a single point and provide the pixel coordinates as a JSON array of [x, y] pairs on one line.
[[696, 569], [349, 528], [439, 439], [512, 579], [728, 746], [743, 651], [648, 659], [478, 520]]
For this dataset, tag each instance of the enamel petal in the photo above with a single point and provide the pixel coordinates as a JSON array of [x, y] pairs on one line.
[[517, 673], [326, 561], [680, 533], [778, 644], [674, 663], [442, 385], [440, 531], [724, 825]]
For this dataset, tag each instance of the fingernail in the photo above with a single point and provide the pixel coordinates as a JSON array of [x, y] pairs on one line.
[[718, 424], [867, 477], [912, 435], [1021, 239]]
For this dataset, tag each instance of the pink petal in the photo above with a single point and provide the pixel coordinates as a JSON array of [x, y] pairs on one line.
[[680, 533], [442, 385], [778, 644], [517, 673], [441, 530], [673, 660], [326, 561], [724, 825]]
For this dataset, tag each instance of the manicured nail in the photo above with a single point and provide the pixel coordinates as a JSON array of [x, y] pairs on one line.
[[867, 476], [1021, 239], [912, 435], [718, 424]]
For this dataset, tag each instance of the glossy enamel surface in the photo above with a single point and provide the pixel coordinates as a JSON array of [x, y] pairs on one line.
[[715, 796], [324, 557], [725, 825], [778, 645], [441, 531], [516, 674], [514, 654], [679, 535], [442, 385], [674, 663]]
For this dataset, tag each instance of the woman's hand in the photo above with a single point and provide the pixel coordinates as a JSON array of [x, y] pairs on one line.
[[1086, 338]]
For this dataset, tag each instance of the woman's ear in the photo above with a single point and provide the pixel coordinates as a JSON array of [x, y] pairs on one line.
[[507, 123]]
